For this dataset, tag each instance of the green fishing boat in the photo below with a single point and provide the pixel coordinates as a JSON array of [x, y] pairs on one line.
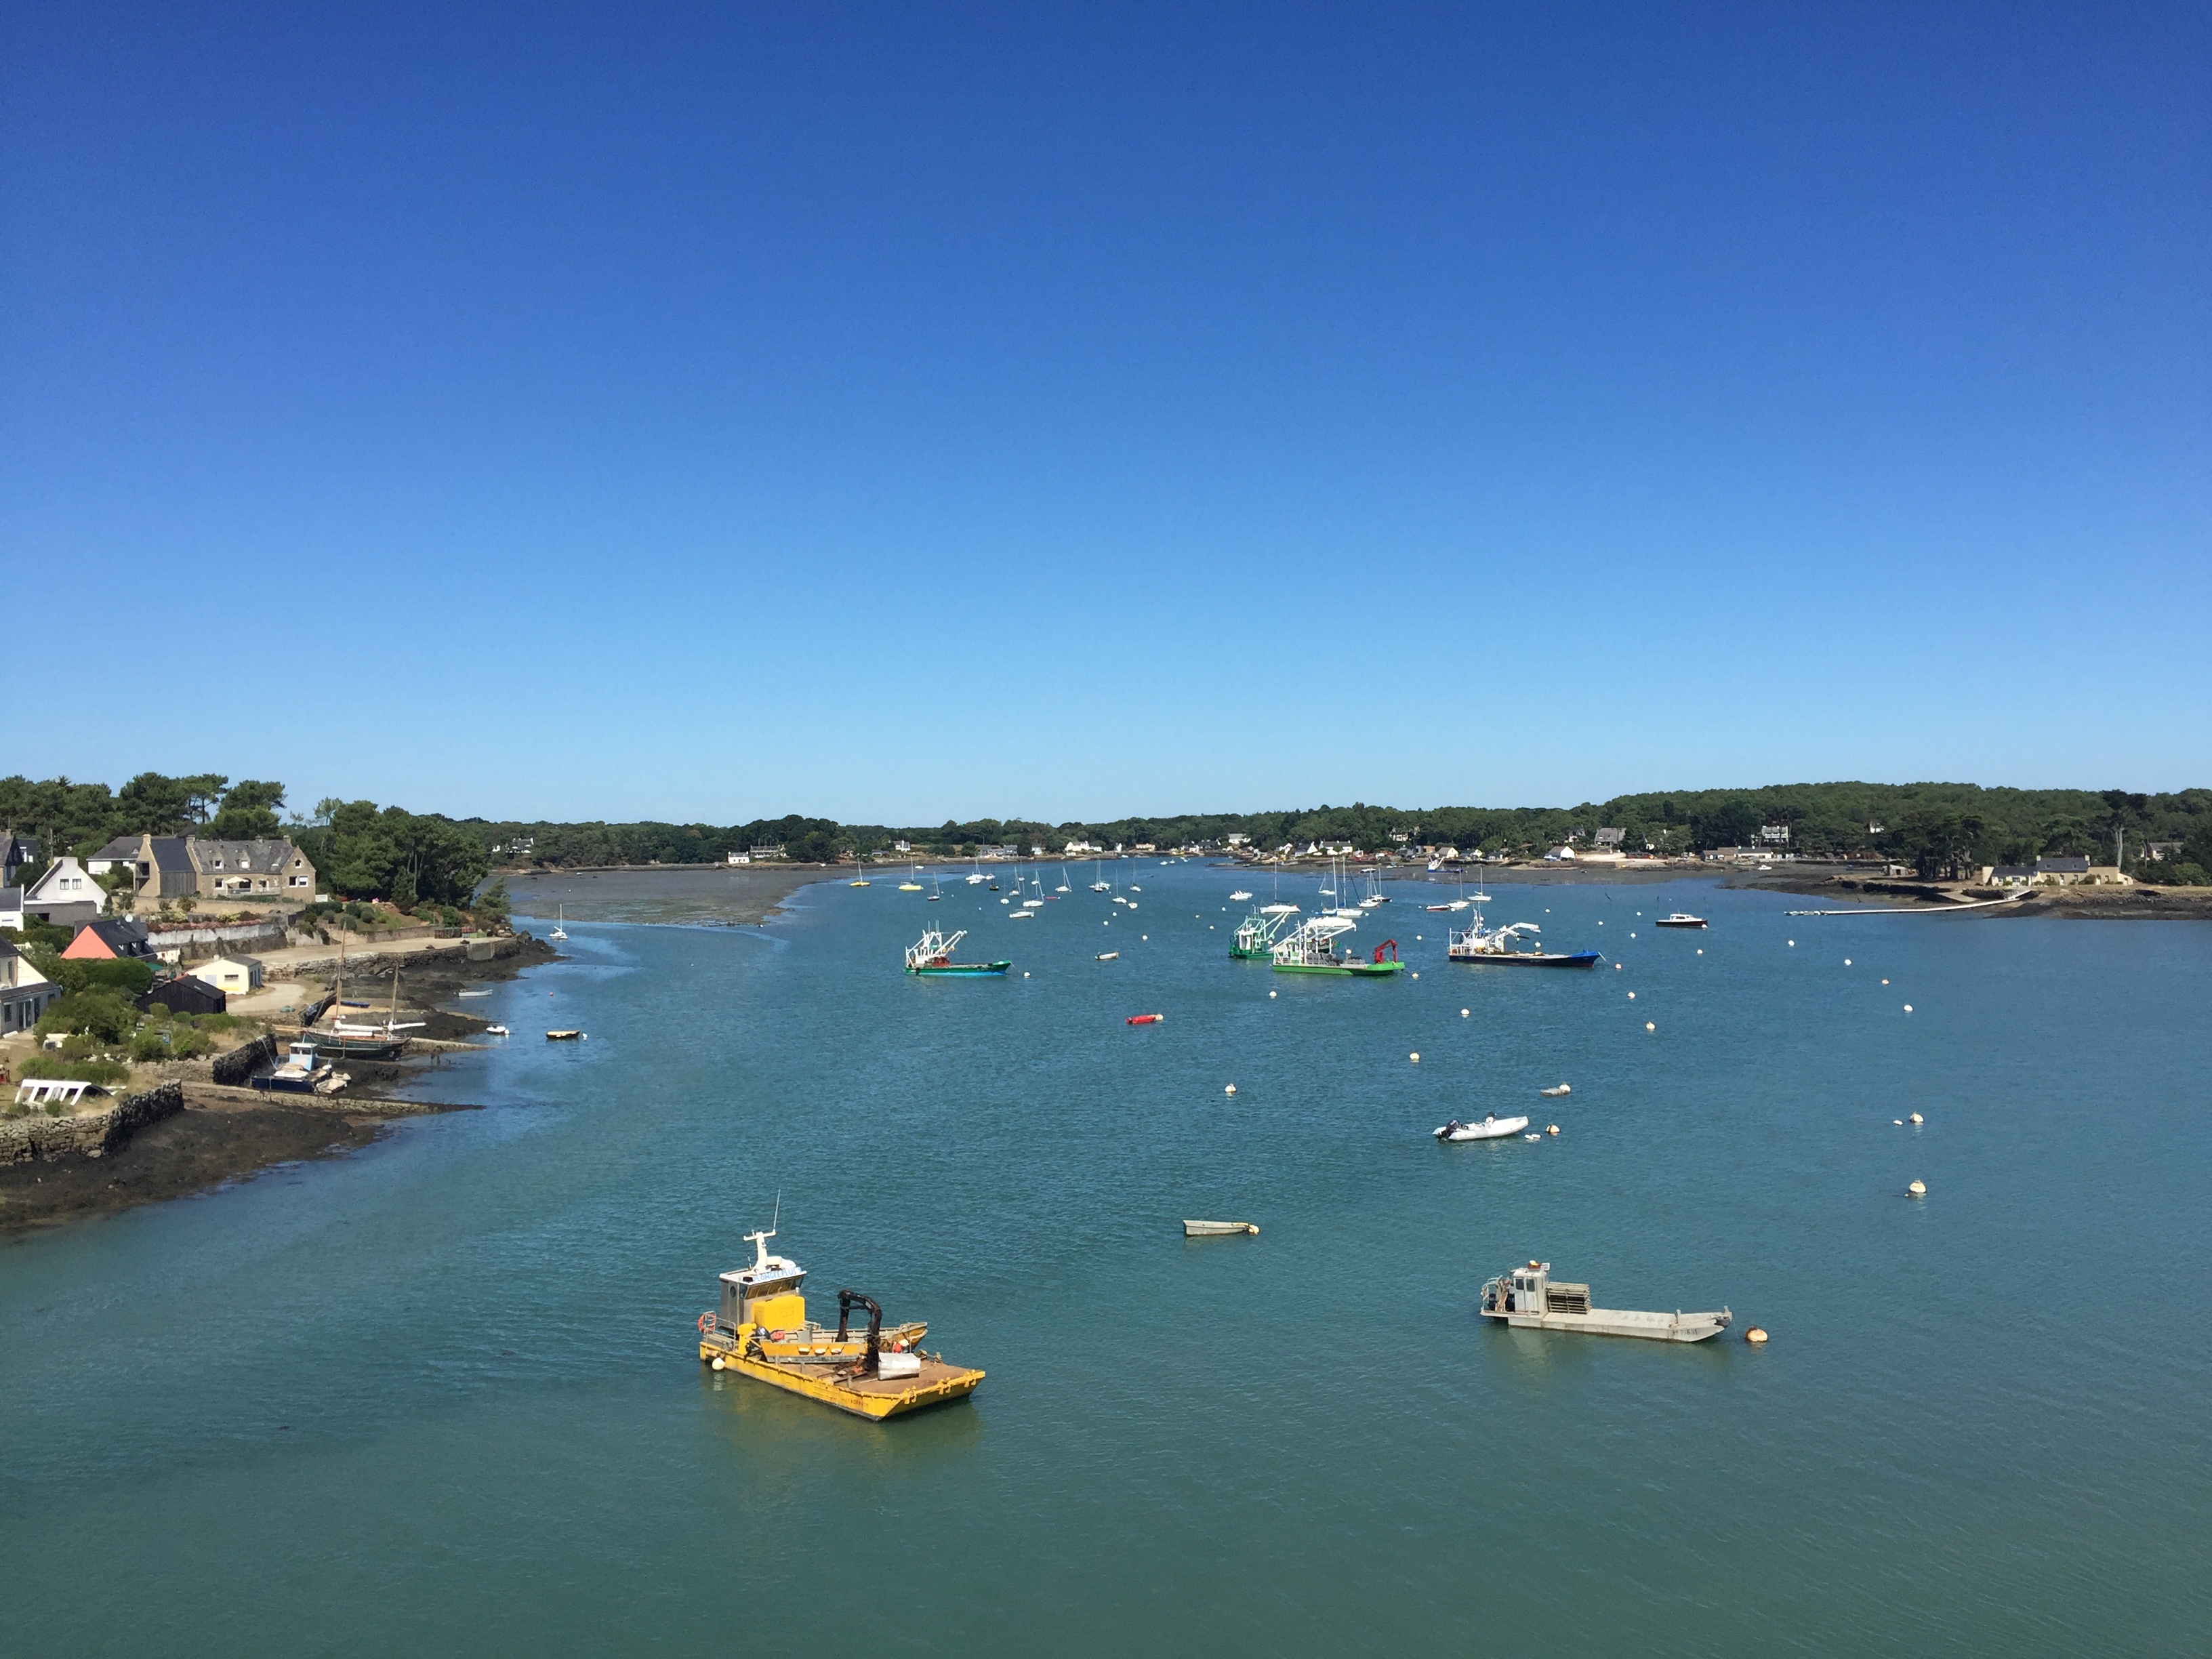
[[932, 955], [1256, 935], [1311, 949]]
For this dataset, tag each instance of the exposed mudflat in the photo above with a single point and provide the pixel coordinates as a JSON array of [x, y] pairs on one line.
[[201, 1146]]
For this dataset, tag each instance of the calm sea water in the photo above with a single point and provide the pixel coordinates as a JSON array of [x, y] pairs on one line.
[[443, 1396]]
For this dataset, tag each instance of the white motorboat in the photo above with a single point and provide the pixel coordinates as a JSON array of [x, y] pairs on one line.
[[1680, 918], [1238, 897], [1562, 1088], [495, 1031], [1492, 1127], [472, 993], [1023, 915]]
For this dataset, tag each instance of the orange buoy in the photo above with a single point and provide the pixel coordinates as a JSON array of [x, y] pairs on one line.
[[1146, 1019], [1755, 1336]]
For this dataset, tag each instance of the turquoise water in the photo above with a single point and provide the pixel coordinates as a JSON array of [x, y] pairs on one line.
[[443, 1395]]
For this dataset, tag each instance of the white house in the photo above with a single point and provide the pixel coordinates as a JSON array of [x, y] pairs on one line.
[[24, 990], [232, 976], [65, 896]]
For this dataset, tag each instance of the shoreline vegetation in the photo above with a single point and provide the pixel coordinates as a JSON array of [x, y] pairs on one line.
[[362, 852]]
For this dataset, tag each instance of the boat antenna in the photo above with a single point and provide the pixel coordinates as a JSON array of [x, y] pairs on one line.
[[777, 1220]]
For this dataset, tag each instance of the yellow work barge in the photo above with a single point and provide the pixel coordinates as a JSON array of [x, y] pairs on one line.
[[761, 1330]]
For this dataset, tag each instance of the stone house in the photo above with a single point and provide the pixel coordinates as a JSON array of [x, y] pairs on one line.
[[180, 866]]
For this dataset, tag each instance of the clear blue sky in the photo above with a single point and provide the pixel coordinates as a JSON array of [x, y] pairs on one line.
[[905, 412]]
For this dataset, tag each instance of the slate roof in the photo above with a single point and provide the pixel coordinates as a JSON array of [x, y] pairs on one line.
[[124, 935], [2069, 864], [11, 898], [249, 858], [170, 856], [124, 849]]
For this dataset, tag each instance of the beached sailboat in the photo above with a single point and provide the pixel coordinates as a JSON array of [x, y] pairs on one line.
[[932, 955]]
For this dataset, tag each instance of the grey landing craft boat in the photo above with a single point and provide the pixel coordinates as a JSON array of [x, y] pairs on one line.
[[1531, 1299]]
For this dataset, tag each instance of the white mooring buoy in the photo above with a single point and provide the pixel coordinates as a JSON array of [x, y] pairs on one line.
[[1916, 1118], [1917, 1189]]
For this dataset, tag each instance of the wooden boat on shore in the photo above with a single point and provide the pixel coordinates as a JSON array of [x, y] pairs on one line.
[[761, 1330], [932, 955], [1528, 1297], [1218, 1229]]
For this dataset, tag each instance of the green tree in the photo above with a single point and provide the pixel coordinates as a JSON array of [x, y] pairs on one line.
[[249, 812]]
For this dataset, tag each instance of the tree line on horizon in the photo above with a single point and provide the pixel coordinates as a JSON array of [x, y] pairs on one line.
[[364, 851]]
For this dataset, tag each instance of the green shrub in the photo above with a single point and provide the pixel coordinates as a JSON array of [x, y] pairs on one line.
[[188, 1044], [125, 978], [101, 1014], [151, 1046]]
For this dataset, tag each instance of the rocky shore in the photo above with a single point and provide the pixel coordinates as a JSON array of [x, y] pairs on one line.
[[192, 1132]]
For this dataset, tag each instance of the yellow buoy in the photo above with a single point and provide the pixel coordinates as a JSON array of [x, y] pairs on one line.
[[1551, 1128], [1754, 1336], [1415, 1057], [1917, 1189]]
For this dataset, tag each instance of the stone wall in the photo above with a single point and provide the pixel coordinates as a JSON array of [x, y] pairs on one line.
[[90, 1134], [233, 1068]]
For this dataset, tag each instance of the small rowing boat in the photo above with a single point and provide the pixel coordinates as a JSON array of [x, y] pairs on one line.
[[1146, 1019], [1110, 956], [563, 1036], [1218, 1229]]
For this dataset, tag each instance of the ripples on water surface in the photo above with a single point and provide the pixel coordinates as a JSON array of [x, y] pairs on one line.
[[441, 1397]]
